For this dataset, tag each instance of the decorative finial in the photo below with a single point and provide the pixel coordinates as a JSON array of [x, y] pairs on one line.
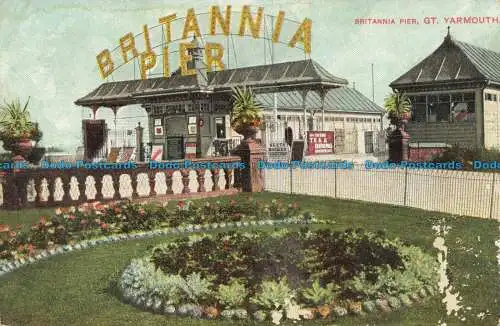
[[448, 35]]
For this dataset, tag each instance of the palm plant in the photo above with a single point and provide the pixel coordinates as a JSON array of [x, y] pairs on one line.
[[398, 107], [15, 120], [246, 111]]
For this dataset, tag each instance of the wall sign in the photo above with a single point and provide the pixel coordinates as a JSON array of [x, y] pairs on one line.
[[278, 152], [158, 122], [158, 131], [192, 130], [213, 51], [320, 142]]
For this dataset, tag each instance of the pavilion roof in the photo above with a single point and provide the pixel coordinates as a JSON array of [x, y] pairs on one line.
[[287, 75], [341, 99], [453, 61]]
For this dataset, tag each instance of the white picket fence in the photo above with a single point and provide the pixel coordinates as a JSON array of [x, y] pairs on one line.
[[455, 192]]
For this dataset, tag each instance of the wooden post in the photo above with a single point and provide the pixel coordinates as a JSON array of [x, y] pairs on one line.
[[139, 150]]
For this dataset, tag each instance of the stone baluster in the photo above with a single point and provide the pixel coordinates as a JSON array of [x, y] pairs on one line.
[[115, 177], [134, 183], [228, 175], [51, 187], [200, 175], [152, 182], [98, 179], [39, 189], [66, 185], [169, 181], [185, 181], [81, 179], [215, 179]]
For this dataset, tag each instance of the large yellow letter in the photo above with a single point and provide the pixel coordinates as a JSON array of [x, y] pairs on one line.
[[166, 21], [127, 44], [148, 62], [225, 23], [147, 40], [277, 26], [303, 35], [166, 65], [105, 63], [246, 16], [191, 24], [214, 59], [185, 58]]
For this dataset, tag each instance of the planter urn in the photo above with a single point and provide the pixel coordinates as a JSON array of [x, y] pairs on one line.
[[22, 148], [249, 132]]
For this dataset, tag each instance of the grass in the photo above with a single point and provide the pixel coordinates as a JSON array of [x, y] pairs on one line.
[[77, 288]]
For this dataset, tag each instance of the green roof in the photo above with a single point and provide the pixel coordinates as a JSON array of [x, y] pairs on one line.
[[486, 61], [342, 99], [453, 61], [286, 75]]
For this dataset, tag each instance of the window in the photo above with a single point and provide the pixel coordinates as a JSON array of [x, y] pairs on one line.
[[220, 127], [368, 141], [490, 97], [289, 135], [418, 114]]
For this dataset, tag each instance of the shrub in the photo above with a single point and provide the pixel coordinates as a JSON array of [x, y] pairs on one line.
[[232, 295], [339, 256], [317, 295], [466, 156], [273, 295]]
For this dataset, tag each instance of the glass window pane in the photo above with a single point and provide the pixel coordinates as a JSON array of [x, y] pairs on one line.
[[419, 112], [456, 97], [468, 97], [444, 98], [420, 99], [443, 112]]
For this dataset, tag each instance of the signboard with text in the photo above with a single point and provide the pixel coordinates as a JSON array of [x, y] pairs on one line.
[[278, 151], [320, 142]]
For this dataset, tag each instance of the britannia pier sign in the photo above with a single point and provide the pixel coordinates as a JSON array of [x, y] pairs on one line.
[[148, 59]]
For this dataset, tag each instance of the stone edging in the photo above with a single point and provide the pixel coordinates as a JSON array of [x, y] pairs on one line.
[[11, 266], [391, 304]]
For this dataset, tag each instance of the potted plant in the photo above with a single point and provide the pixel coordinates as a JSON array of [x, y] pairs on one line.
[[16, 128], [398, 107], [246, 114]]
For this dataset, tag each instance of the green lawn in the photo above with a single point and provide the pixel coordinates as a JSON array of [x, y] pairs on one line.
[[77, 288]]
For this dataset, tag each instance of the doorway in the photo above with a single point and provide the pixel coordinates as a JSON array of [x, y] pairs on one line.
[[289, 135]]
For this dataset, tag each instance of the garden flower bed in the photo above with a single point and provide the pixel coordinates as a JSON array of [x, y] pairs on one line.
[[94, 220], [280, 275]]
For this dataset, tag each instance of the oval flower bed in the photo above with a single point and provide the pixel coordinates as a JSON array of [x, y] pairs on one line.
[[285, 274], [93, 220]]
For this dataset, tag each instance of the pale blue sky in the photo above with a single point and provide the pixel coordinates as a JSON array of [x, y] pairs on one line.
[[48, 47]]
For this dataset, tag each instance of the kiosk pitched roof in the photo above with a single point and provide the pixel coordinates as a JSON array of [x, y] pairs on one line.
[[453, 61]]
